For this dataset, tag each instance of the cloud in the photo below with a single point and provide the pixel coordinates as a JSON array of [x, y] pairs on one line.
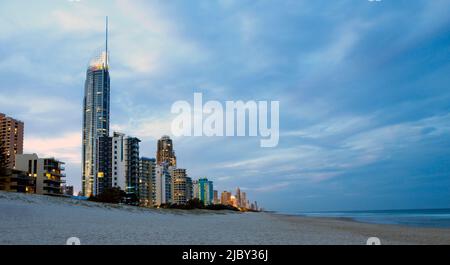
[[67, 147], [76, 21], [37, 106]]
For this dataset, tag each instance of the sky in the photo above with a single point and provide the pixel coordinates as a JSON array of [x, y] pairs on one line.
[[363, 90]]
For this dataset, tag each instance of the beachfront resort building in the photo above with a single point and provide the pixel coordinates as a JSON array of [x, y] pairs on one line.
[[48, 173]]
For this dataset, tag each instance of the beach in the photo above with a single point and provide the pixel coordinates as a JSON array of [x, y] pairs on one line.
[[41, 220]]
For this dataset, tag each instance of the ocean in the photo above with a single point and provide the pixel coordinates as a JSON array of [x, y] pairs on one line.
[[439, 218]]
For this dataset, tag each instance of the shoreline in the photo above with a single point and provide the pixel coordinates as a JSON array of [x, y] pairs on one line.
[[389, 233]]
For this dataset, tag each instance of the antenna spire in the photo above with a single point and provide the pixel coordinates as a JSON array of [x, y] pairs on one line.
[[106, 46]]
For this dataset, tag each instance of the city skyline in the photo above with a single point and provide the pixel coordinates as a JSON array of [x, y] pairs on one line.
[[372, 138]]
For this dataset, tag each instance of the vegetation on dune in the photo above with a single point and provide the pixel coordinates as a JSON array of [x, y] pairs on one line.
[[198, 204]]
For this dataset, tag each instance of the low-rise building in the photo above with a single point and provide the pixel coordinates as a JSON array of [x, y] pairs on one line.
[[17, 181], [48, 172]]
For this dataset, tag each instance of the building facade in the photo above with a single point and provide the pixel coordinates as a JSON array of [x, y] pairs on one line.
[[181, 186], [206, 191], [96, 112], [13, 180], [147, 177], [165, 152], [105, 160], [216, 197], [11, 134], [48, 173], [225, 198], [195, 190], [163, 185], [132, 160], [125, 163]]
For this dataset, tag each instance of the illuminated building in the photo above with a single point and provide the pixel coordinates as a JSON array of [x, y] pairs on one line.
[[147, 175], [181, 186], [11, 134], [225, 198], [96, 111], [165, 152], [17, 181], [48, 173]]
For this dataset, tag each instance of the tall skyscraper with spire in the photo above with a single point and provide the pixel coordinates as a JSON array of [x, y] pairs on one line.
[[96, 109]]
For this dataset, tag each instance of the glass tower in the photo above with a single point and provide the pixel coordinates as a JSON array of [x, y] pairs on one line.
[[96, 109]]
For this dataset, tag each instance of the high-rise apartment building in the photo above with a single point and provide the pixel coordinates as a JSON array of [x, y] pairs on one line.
[[238, 197], [125, 163], [147, 177], [206, 191], [48, 173], [243, 202], [195, 190], [225, 198], [181, 186], [163, 185], [165, 152], [216, 197], [105, 161], [96, 110], [11, 134], [132, 165]]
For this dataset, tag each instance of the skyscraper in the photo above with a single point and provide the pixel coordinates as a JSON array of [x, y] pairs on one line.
[[165, 152], [11, 134], [96, 108]]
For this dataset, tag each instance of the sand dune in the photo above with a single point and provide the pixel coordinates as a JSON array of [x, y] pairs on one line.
[[34, 219]]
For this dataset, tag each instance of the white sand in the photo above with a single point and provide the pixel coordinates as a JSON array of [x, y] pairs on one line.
[[33, 219]]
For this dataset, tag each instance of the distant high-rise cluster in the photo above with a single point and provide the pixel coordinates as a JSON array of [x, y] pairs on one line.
[[238, 200]]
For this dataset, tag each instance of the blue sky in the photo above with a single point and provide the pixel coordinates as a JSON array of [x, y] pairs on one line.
[[363, 90]]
